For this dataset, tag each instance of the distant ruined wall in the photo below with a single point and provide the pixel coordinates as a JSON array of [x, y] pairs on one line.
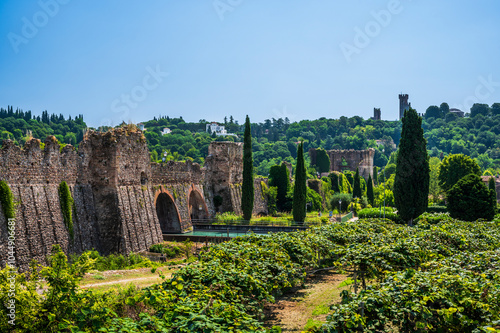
[[342, 160]]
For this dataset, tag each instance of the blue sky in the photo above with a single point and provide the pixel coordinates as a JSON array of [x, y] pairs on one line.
[[121, 60]]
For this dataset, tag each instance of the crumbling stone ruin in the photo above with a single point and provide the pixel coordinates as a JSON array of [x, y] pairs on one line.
[[349, 160], [122, 202]]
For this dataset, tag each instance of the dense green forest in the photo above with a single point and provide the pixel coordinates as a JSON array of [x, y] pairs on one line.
[[274, 140], [19, 125]]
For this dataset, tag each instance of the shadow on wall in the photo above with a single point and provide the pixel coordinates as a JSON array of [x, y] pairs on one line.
[[167, 214], [197, 207]]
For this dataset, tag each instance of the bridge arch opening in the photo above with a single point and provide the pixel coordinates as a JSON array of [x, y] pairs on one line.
[[167, 214], [197, 207]]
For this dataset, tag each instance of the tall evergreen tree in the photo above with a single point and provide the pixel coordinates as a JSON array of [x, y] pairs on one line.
[[375, 175], [369, 190], [247, 190], [411, 183], [356, 188], [279, 177], [299, 190], [492, 187]]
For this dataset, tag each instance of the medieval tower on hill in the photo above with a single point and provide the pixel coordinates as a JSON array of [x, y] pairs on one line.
[[403, 105]]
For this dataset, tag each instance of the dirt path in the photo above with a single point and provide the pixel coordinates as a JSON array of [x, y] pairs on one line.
[[305, 307]]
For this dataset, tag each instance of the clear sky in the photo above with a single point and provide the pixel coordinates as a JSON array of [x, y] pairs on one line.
[[122, 60]]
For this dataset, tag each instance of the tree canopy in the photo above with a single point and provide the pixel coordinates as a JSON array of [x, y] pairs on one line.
[[454, 167], [469, 199]]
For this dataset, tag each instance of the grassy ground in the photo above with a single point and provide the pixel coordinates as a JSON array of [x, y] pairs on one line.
[[141, 277], [307, 307]]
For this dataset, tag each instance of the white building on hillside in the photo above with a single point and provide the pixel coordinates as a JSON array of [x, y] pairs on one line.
[[215, 127], [166, 131]]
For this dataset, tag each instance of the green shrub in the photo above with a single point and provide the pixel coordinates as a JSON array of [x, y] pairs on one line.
[[170, 251], [315, 199], [117, 261], [436, 209], [432, 218], [227, 217], [66, 201], [370, 213], [346, 201], [7, 200], [469, 199]]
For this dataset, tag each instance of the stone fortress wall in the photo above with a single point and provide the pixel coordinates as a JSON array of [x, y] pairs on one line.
[[122, 202]]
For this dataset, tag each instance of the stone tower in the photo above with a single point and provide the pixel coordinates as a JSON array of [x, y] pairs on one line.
[[403, 105], [377, 114]]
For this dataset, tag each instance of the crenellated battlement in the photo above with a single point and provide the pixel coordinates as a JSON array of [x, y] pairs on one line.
[[33, 165]]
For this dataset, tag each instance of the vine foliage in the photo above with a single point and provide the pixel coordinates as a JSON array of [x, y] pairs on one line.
[[7, 200]]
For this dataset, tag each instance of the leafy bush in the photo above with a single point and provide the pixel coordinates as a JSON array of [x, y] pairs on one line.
[[315, 199], [170, 251], [432, 299], [346, 201], [116, 261], [227, 217], [469, 199], [433, 218]]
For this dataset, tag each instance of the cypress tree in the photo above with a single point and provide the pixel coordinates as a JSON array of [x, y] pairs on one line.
[[356, 188], [279, 177], [284, 185], [299, 190], [492, 187], [375, 175], [411, 183], [247, 190], [369, 190]]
